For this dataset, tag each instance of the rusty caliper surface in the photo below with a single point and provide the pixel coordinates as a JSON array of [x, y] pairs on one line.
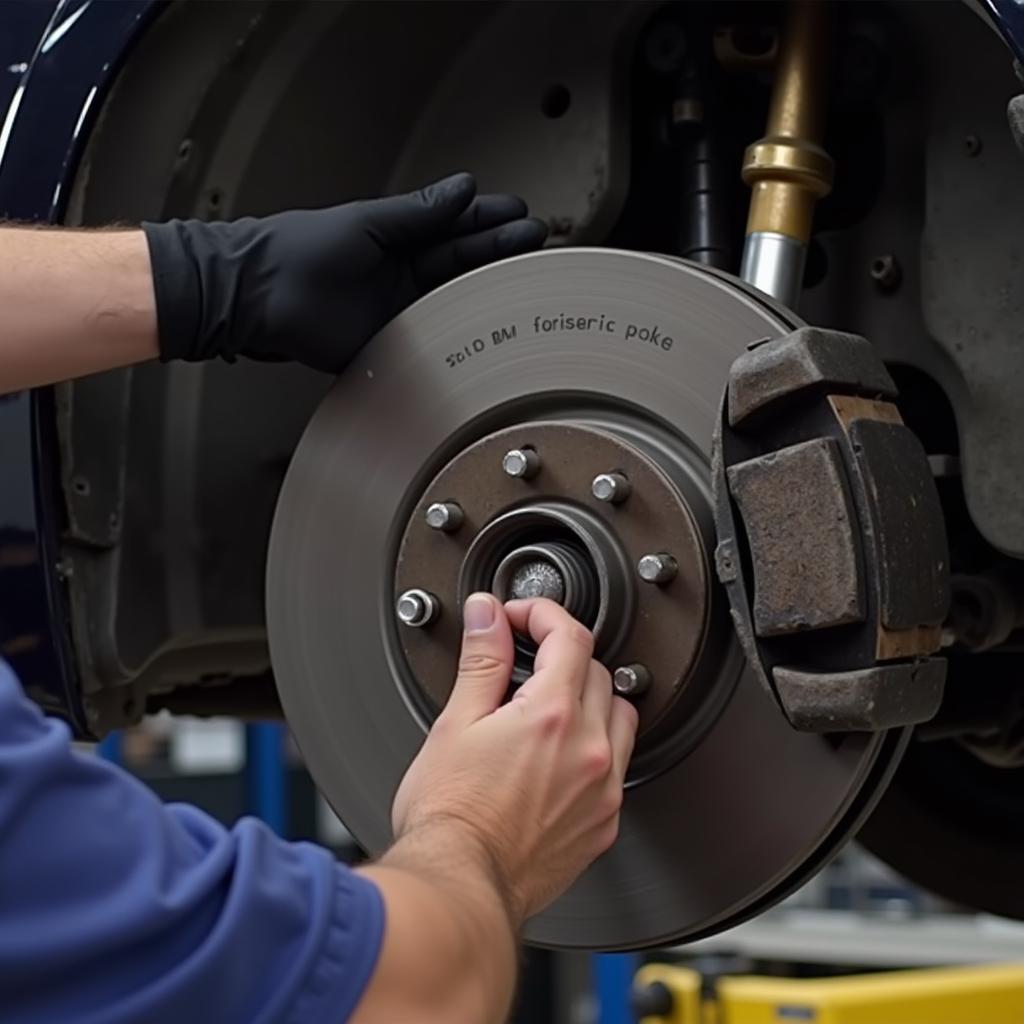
[[831, 539], [600, 362]]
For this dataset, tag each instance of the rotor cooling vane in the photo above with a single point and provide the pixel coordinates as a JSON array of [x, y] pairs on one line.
[[544, 426]]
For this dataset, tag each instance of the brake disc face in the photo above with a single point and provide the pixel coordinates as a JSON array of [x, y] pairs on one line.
[[558, 410]]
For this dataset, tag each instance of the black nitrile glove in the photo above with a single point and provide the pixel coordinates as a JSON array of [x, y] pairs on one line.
[[316, 285]]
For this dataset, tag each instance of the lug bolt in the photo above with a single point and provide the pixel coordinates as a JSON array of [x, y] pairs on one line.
[[521, 463], [610, 487], [445, 516], [417, 608], [631, 680], [660, 568]]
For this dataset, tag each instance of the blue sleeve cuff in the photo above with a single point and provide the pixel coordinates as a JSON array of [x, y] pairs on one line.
[[355, 934]]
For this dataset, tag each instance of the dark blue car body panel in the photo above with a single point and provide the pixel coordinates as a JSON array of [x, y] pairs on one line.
[[57, 60], [1008, 17]]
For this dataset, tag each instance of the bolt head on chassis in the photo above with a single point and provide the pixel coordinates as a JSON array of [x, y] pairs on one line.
[[600, 362]]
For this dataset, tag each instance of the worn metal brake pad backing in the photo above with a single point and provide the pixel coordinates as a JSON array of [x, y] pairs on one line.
[[831, 543]]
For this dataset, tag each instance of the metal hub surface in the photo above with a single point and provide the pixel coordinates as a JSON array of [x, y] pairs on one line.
[[728, 808], [587, 548]]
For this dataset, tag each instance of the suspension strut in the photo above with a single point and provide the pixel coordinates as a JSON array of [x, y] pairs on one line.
[[787, 170]]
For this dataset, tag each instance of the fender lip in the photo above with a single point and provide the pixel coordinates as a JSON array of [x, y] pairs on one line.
[[1007, 18], [43, 128], [33, 624], [76, 59]]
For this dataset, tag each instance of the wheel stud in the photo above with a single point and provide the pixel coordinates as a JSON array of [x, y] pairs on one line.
[[631, 680], [611, 487], [658, 568], [446, 516], [521, 463], [417, 608]]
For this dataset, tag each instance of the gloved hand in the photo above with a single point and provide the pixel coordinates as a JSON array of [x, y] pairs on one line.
[[316, 285]]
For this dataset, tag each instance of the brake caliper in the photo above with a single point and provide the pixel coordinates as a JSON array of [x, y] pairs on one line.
[[831, 542]]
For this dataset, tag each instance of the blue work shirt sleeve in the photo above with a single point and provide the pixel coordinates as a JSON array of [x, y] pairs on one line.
[[118, 909]]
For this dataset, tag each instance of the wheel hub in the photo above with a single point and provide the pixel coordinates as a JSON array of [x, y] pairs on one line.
[[550, 534], [517, 431]]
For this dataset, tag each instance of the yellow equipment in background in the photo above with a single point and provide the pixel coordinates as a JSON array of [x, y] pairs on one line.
[[944, 995], [674, 993]]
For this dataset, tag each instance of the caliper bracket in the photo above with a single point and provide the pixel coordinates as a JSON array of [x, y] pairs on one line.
[[831, 543]]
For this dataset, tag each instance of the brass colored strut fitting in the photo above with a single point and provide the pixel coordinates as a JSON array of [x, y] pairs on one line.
[[787, 170]]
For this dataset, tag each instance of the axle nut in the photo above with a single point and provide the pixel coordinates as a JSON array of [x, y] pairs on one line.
[[538, 579]]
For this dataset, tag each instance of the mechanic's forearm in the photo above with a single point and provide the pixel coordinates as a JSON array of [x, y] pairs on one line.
[[72, 303], [450, 947]]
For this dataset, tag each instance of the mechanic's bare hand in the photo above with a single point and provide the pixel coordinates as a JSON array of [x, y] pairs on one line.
[[316, 285], [536, 782]]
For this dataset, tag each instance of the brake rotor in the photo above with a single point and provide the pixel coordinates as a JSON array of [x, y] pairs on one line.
[[602, 363]]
